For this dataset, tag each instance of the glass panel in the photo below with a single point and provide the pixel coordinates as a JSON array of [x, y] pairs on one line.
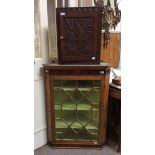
[[77, 109]]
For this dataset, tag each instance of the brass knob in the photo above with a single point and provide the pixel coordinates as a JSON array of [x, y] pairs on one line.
[[61, 37]]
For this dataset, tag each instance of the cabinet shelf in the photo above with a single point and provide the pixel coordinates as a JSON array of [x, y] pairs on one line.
[[81, 106], [76, 130], [70, 136], [61, 124], [73, 89]]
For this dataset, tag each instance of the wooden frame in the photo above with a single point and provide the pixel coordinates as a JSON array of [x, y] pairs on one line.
[[51, 76]]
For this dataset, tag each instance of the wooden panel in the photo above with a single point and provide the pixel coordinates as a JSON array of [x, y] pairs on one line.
[[101, 66], [112, 53], [75, 72], [48, 106], [103, 107], [77, 77]]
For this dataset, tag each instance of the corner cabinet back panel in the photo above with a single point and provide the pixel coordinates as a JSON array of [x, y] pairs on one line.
[[79, 35]]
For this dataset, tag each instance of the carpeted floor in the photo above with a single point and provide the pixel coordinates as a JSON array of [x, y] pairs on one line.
[[46, 150]]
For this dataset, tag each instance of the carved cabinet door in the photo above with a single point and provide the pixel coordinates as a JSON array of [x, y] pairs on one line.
[[78, 35]]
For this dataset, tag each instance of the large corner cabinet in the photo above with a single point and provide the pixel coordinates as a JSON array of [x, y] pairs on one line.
[[76, 101]]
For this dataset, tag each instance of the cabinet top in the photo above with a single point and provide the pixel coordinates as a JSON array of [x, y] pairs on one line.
[[101, 66]]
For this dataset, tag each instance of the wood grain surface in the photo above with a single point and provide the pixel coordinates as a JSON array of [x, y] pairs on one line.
[[112, 53]]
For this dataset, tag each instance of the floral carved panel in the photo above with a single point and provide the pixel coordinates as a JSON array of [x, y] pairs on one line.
[[78, 36]]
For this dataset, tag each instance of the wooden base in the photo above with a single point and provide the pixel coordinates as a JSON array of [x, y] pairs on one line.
[[75, 146]]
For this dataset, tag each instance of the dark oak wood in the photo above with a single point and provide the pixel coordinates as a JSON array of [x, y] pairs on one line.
[[79, 35], [59, 67], [104, 99], [48, 105], [77, 77], [103, 109], [114, 115], [103, 71], [115, 93], [52, 111]]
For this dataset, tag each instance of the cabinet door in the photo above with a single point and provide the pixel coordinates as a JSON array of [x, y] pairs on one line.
[[78, 110], [79, 35]]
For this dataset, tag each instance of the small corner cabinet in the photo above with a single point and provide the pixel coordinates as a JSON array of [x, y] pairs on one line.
[[76, 103], [79, 35]]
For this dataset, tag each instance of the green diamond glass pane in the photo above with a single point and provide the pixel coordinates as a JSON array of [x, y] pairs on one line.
[[77, 109], [69, 134], [69, 104], [94, 95], [76, 95], [83, 135], [76, 126], [84, 104], [69, 117], [59, 95], [84, 117]]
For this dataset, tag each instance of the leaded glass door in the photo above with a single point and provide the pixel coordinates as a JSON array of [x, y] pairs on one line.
[[76, 108]]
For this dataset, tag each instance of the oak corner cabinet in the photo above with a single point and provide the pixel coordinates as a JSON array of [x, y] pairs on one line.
[[76, 103]]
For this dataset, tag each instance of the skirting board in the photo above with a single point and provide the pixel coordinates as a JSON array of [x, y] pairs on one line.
[[40, 138]]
